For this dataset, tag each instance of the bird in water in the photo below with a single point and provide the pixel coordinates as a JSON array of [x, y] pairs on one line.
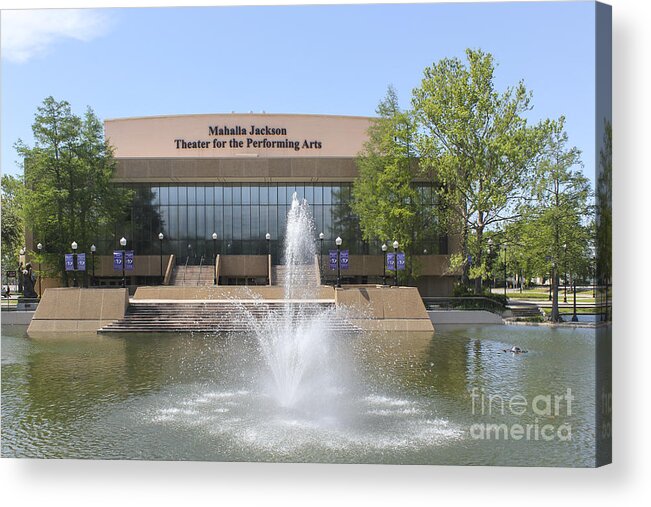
[[515, 350]]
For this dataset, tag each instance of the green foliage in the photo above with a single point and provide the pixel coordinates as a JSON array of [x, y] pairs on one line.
[[476, 144], [389, 206], [68, 195], [556, 228], [12, 221], [604, 215]]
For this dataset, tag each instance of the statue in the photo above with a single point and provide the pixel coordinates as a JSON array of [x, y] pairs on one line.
[[28, 282]]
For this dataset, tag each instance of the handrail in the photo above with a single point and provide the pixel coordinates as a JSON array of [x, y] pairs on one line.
[[200, 268], [185, 269], [317, 263], [169, 270], [464, 303]]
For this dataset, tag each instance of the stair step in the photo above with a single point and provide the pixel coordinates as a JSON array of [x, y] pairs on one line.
[[218, 316]]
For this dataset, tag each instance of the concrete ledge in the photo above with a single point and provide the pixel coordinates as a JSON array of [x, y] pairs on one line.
[[464, 317], [223, 292], [65, 326], [75, 310], [422, 325], [15, 317], [385, 308]]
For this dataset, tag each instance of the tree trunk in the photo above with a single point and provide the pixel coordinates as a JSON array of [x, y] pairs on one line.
[[478, 260]]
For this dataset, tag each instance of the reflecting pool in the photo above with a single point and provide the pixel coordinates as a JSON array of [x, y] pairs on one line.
[[451, 398]]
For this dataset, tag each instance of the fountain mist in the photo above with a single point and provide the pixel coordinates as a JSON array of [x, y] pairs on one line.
[[295, 340]]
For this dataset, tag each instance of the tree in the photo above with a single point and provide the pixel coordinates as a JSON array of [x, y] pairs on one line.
[[385, 198], [560, 225], [604, 217], [68, 195], [12, 221], [476, 144]]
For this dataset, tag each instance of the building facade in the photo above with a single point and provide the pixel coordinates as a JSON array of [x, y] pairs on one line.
[[235, 174]]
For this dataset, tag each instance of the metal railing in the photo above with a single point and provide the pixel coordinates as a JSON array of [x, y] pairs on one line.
[[200, 269], [185, 268], [463, 303]]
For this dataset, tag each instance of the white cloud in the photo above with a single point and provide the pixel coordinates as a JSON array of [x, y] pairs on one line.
[[28, 34]]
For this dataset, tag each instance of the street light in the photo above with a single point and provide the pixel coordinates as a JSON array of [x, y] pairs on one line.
[[21, 262], [93, 249], [338, 243], [161, 237], [74, 263], [267, 237], [214, 258], [39, 247], [123, 243], [321, 237], [574, 316], [384, 271], [593, 265], [395, 259], [504, 247], [565, 271], [490, 268]]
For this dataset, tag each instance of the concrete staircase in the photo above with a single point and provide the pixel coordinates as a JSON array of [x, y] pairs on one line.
[[193, 275], [524, 311], [305, 275], [212, 316]]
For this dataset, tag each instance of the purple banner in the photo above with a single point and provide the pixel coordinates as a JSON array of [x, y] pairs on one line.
[[333, 259], [344, 259], [401, 262], [70, 262], [81, 262], [117, 260], [128, 260], [391, 261]]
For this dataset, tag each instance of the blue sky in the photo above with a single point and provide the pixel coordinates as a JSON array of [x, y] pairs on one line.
[[335, 59]]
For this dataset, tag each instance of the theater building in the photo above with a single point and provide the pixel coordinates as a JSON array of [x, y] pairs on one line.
[[234, 175]]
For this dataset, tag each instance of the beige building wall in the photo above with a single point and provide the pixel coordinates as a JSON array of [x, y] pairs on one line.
[[237, 135]]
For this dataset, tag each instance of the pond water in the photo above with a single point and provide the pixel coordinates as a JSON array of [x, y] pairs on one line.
[[454, 397]]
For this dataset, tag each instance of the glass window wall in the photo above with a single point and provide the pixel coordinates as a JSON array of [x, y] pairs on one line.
[[241, 215]]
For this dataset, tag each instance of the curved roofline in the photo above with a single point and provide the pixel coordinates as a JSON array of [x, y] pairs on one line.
[[242, 114]]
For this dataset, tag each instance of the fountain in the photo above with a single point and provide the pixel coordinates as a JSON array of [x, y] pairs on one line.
[[295, 341]]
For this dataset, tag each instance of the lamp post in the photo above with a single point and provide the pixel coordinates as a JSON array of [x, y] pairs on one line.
[[161, 237], [214, 258], [267, 237], [321, 237], [504, 247], [384, 271], [395, 259], [594, 278], [574, 316], [338, 243], [93, 249], [39, 247], [490, 253], [123, 244], [565, 272], [21, 263], [74, 263]]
